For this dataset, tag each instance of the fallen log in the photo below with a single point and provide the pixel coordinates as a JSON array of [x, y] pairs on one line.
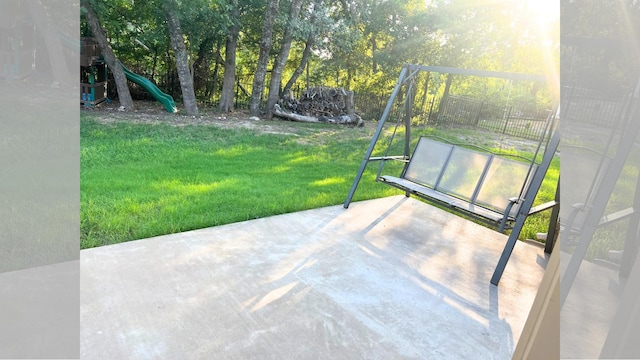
[[351, 119], [277, 111]]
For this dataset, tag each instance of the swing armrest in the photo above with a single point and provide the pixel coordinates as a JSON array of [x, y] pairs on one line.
[[512, 202], [401, 158], [543, 207], [507, 211]]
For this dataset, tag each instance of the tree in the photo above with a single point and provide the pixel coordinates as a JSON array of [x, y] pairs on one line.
[[303, 62], [281, 59], [204, 24], [228, 82], [182, 62], [313, 30], [263, 59], [357, 44], [109, 57]]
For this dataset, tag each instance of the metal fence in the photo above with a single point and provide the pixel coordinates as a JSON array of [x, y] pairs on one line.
[[593, 107], [477, 113], [371, 106], [461, 111]]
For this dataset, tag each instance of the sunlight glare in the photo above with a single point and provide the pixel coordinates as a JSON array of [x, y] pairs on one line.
[[548, 10], [546, 16]]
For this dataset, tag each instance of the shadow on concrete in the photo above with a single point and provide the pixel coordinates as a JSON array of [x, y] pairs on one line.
[[387, 278]]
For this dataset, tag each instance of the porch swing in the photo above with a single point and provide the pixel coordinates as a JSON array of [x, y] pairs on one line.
[[488, 186]]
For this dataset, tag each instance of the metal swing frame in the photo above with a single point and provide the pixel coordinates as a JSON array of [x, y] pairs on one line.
[[528, 193]]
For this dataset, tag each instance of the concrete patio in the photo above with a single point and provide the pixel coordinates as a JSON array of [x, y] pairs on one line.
[[389, 278]]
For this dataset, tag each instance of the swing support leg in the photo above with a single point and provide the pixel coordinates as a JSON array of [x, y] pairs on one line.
[[523, 212], [374, 140], [553, 222]]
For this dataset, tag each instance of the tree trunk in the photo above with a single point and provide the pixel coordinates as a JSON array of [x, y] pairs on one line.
[[109, 57], [426, 89], [229, 80], [212, 85], [281, 60], [180, 53], [265, 48], [374, 48], [308, 81], [201, 66], [445, 97], [155, 63], [303, 62]]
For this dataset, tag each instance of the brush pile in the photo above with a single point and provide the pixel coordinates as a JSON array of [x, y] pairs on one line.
[[320, 104]]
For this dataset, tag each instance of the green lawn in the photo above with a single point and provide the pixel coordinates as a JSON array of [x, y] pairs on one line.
[[142, 180]]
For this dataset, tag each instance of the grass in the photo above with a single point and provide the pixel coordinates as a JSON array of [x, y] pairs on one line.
[[143, 180]]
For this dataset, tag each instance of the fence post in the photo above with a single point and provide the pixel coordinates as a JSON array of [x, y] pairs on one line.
[[433, 100], [478, 116], [236, 92], [507, 121]]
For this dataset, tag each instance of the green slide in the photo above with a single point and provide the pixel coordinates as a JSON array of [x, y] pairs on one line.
[[164, 99], [148, 86]]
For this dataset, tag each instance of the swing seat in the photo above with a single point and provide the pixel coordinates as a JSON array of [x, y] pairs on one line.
[[483, 185]]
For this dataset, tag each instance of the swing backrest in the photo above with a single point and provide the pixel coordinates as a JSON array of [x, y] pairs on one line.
[[481, 178]]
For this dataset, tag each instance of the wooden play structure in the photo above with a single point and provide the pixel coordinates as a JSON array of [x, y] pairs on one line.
[[93, 73]]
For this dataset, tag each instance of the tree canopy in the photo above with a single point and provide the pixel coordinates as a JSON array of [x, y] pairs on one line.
[[356, 44]]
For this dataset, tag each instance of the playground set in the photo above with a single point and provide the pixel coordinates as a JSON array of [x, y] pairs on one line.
[[93, 73], [18, 37], [93, 78]]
